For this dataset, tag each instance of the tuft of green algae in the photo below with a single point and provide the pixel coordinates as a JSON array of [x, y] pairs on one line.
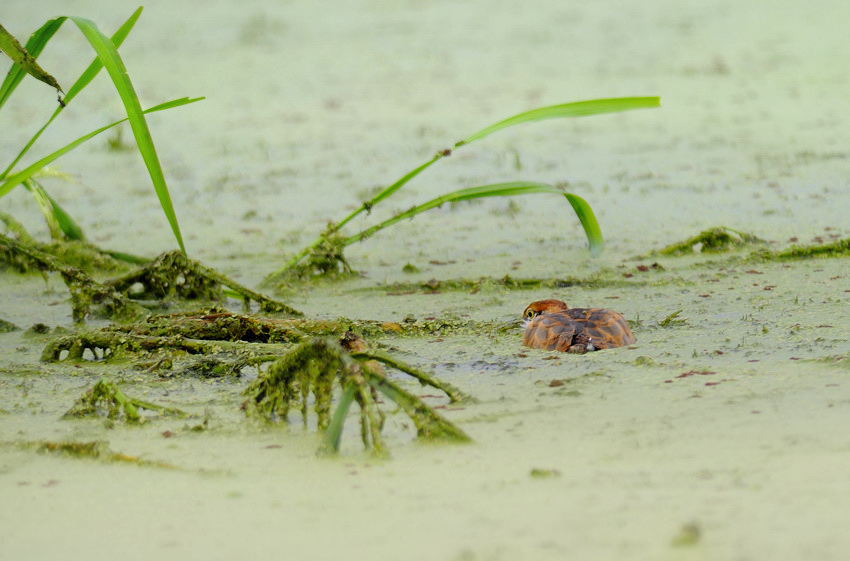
[[838, 248], [713, 240], [316, 366], [105, 398]]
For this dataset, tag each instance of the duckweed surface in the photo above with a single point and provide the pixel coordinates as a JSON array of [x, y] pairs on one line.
[[720, 434]]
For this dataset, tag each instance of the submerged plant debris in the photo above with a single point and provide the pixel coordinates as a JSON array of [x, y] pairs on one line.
[[838, 248], [721, 239], [306, 357], [173, 275], [86, 293], [90, 450], [74, 253], [105, 399], [316, 366], [213, 331], [673, 319], [170, 276]]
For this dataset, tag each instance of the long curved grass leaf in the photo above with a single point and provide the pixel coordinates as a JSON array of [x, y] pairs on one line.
[[24, 60], [588, 222], [134, 260], [113, 64], [35, 46], [580, 206], [16, 179], [43, 202], [67, 224], [575, 109], [59, 222], [89, 73]]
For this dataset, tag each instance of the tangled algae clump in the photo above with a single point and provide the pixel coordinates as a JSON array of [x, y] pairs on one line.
[[316, 366]]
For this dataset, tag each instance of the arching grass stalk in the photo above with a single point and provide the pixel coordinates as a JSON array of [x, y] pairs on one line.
[[107, 57], [580, 206], [34, 46], [59, 222], [14, 180], [582, 209]]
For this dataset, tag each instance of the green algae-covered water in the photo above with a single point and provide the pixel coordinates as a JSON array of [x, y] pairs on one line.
[[718, 436]]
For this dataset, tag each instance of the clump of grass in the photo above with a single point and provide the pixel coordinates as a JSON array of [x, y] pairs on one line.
[[334, 263], [106, 49], [673, 319]]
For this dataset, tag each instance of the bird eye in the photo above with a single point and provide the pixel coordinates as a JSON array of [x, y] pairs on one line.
[[531, 314]]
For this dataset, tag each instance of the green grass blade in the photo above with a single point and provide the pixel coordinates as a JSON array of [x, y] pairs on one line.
[[588, 222], [580, 206], [333, 434], [34, 47], [118, 72], [582, 209], [38, 40], [67, 224], [59, 222], [367, 206], [89, 73], [132, 259], [24, 60], [16, 179], [43, 203], [576, 109]]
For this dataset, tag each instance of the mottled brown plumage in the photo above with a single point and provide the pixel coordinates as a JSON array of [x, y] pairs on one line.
[[551, 325]]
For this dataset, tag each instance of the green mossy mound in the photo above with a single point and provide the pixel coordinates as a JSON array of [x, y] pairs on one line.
[[714, 240]]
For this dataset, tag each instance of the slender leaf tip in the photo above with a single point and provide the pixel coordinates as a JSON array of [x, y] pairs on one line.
[[573, 109]]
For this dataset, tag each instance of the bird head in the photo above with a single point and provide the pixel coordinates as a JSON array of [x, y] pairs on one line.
[[543, 307]]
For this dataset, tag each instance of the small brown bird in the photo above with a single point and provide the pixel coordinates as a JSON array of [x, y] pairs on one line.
[[553, 326]]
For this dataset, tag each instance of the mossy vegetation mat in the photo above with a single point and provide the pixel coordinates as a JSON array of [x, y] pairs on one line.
[[302, 357], [171, 277], [721, 239], [87, 450], [325, 365]]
